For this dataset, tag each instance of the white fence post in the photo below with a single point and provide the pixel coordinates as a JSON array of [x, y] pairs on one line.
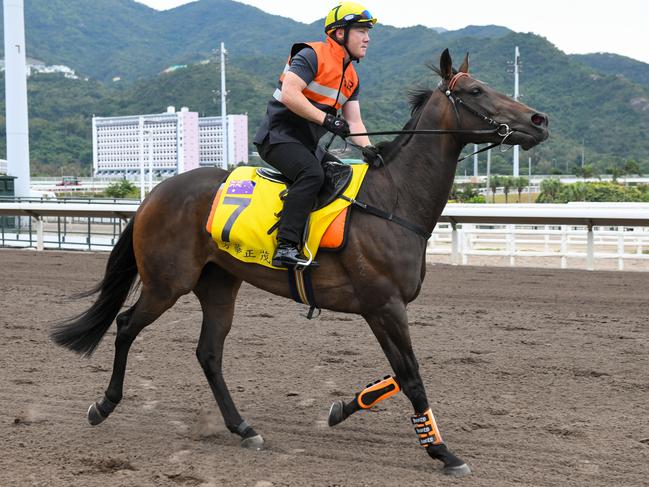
[[620, 248], [511, 244], [465, 243], [564, 246], [590, 249], [454, 244], [40, 244]]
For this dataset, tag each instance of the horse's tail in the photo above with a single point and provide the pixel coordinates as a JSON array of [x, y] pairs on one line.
[[83, 333]]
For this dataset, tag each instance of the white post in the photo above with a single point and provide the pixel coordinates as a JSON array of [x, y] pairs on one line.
[[511, 244], [454, 244], [516, 94], [224, 117], [590, 249], [620, 248], [150, 160], [40, 244], [141, 140], [465, 243], [17, 121], [564, 246], [475, 160]]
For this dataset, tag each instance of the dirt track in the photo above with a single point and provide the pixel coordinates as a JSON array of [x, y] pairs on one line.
[[536, 376]]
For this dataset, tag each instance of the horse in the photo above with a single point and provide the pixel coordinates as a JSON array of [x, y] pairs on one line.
[[376, 275]]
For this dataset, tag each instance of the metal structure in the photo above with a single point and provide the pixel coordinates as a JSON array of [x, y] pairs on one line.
[[16, 96], [224, 112], [507, 220], [516, 95]]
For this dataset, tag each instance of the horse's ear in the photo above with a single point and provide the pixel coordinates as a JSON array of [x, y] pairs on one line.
[[446, 65], [465, 64]]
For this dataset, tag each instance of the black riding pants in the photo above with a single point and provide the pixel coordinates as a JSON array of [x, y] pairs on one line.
[[301, 166]]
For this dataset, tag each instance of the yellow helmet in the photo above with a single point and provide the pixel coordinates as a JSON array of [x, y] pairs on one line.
[[348, 14]]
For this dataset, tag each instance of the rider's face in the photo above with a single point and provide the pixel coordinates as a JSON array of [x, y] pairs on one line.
[[358, 40]]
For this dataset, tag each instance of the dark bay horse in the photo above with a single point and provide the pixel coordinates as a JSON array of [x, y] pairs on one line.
[[378, 273]]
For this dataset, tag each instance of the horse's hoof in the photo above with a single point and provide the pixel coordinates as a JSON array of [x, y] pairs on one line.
[[94, 415], [253, 443], [458, 471], [336, 414]]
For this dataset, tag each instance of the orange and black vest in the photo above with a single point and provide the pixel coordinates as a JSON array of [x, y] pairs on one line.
[[333, 84]]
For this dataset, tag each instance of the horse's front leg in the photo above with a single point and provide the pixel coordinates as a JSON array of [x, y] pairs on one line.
[[390, 326]]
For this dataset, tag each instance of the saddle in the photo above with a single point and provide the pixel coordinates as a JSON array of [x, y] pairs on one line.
[[337, 177]]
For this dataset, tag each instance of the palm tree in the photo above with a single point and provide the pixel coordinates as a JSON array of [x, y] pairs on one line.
[[521, 183], [507, 183], [494, 183], [550, 189]]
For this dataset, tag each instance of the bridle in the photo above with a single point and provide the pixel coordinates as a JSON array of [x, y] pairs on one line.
[[500, 129]]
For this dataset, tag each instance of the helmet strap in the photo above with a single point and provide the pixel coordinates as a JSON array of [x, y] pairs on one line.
[[345, 41]]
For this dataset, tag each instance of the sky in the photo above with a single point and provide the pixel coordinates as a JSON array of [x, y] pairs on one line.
[[574, 26]]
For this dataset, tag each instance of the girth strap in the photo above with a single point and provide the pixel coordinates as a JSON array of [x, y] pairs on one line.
[[388, 216]]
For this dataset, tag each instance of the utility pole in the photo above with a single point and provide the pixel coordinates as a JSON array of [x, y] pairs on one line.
[[475, 161], [224, 116], [529, 179], [16, 96], [488, 173], [582, 153], [516, 94]]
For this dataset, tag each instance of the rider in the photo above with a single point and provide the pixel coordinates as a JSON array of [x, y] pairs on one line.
[[317, 81]]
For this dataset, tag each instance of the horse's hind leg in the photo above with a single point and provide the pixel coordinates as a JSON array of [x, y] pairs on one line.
[[149, 306], [217, 290]]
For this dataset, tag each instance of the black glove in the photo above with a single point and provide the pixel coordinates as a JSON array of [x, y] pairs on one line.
[[336, 125], [372, 156]]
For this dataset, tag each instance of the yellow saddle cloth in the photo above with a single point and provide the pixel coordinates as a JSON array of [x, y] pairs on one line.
[[244, 210]]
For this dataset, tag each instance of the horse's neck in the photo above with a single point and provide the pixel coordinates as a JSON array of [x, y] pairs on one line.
[[423, 172]]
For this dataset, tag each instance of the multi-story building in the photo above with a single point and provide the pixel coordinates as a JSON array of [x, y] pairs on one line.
[[180, 141], [210, 131]]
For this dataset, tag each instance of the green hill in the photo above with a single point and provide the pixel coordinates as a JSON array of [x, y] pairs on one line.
[[604, 62], [604, 109]]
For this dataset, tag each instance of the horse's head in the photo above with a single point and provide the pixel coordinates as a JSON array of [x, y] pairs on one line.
[[490, 116]]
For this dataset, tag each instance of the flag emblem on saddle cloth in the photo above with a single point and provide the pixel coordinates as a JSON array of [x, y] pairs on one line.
[[244, 210], [241, 187]]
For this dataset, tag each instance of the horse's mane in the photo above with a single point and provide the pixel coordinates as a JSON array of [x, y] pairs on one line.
[[417, 97]]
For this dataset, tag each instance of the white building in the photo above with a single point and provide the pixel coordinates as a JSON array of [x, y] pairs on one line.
[[36, 66], [210, 130], [181, 142]]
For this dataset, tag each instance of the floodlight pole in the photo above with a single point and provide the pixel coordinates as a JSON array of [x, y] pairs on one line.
[[17, 121], [224, 116], [516, 94]]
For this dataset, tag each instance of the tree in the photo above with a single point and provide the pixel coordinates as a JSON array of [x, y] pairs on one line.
[[521, 183], [507, 183], [550, 189], [631, 167], [121, 189], [588, 171], [494, 183]]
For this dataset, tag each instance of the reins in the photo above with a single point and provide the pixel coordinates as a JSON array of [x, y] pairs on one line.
[[501, 129]]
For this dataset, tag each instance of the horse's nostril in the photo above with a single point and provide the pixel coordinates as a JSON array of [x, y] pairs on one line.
[[539, 120]]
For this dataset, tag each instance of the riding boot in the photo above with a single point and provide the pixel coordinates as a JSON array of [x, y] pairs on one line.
[[287, 254]]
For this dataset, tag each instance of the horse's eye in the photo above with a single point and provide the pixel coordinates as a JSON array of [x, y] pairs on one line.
[[476, 91]]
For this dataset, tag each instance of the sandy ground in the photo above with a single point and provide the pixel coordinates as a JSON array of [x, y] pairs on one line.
[[536, 376]]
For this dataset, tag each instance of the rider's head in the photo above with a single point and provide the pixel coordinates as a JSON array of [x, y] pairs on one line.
[[348, 24]]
